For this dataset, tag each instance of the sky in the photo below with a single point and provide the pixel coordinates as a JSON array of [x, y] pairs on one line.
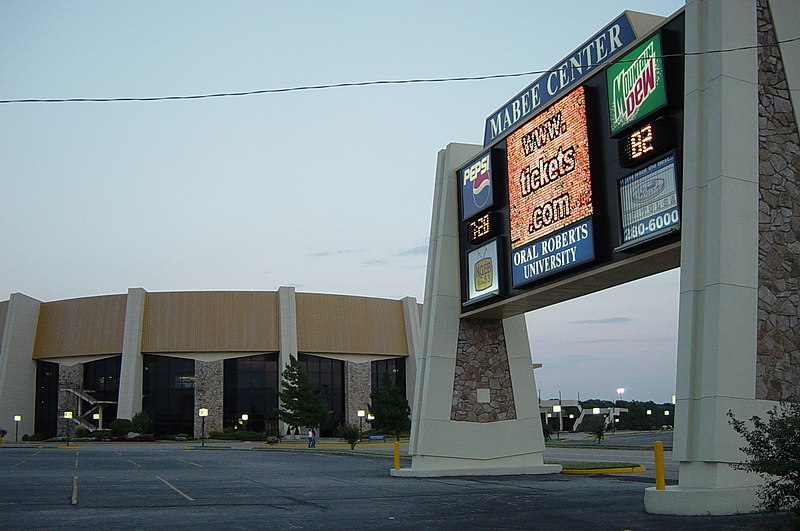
[[329, 191]]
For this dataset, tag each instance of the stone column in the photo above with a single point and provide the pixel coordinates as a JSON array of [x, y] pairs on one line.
[[358, 387], [69, 377], [209, 394]]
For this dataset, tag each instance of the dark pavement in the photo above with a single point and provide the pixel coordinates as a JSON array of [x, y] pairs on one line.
[[164, 485]]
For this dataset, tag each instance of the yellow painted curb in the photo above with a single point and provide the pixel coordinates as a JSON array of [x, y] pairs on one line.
[[591, 471], [70, 447]]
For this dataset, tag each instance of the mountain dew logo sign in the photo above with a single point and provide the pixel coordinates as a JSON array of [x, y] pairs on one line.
[[636, 85]]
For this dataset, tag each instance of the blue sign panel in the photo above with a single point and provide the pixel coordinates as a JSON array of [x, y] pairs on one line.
[[560, 251], [476, 186], [604, 45]]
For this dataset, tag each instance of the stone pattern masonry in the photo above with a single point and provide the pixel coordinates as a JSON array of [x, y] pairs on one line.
[[482, 364], [778, 366], [208, 393]]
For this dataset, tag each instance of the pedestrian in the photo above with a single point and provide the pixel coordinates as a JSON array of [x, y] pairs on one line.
[[312, 438]]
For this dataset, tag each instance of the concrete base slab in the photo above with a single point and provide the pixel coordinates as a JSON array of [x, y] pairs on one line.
[[683, 501], [476, 471]]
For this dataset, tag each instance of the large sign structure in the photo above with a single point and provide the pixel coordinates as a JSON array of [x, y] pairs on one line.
[[587, 179]]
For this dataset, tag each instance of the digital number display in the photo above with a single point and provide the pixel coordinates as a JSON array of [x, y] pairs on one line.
[[480, 228], [643, 144]]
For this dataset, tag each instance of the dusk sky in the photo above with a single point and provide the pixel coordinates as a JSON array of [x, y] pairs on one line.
[[329, 191]]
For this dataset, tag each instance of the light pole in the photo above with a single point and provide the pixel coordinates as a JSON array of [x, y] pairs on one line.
[[620, 392], [245, 417], [17, 418], [68, 415], [557, 409], [361, 414], [203, 413]]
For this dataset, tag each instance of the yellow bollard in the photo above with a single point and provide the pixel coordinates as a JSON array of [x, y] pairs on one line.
[[658, 449], [397, 455]]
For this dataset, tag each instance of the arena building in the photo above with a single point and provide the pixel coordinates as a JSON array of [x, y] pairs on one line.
[[172, 354]]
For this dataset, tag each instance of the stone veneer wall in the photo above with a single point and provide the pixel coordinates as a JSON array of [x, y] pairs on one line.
[[358, 386], [482, 363], [69, 377], [208, 393], [778, 365]]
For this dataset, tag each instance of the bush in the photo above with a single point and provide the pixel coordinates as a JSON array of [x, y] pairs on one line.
[[120, 428], [3, 433], [215, 434], [349, 433], [81, 432], [141, 422], [242, 435], [773, 450], [101, 435]]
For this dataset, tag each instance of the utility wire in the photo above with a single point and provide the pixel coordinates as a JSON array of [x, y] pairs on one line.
[[359, 83]]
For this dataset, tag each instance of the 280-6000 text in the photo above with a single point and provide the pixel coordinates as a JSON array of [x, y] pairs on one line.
[[654, 224]]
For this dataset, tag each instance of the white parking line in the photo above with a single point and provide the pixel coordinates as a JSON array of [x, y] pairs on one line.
[[74, 500], [189, 462], [173, 487]]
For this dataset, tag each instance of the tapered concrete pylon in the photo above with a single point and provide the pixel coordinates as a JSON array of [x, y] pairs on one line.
[[475, 407]]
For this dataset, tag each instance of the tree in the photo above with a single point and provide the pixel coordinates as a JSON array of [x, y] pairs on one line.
[[141, 422], [302, 405], [773, 450], [350, 433], [390, 408]]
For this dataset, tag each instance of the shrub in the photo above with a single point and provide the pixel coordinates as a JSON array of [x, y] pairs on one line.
[[120, 427], [3, 433], [349, 433], [81, 432], [773, 451], [215, 434], [101, 435], [141, 422]]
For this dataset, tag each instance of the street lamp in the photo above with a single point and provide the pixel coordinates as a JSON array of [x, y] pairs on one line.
[[68, 415], [203, 413], [620, 392], [557, 409], [245, 417], [17, 418], [361, 414]]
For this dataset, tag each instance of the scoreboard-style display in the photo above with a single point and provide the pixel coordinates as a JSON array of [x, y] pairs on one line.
[[586, 177]]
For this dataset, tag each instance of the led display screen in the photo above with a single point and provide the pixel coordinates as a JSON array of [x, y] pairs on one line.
[[550, 191], [476, 186], [649, 202], [482, 272], [636, 85]]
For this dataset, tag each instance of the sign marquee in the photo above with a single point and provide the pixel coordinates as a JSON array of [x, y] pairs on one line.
[[580, 170]]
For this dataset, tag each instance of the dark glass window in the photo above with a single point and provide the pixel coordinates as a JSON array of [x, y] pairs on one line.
[[327, 377], [251, 386], [46, 414], [168, 394], [101, 378], [395, 367]]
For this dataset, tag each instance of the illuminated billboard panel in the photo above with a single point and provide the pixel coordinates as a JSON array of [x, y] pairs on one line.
[[649, 202], [483, 272], [636, 85], [550, 191], [476, 186]]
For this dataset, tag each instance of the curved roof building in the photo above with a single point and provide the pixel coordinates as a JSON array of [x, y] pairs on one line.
[[172, 353]]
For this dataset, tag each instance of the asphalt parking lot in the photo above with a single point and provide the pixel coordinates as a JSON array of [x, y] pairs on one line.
[[160, 486]]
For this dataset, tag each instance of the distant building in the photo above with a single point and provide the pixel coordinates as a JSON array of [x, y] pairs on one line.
[[171, 354]]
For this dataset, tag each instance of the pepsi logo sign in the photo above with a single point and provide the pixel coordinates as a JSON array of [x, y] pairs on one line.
[[476, 185]]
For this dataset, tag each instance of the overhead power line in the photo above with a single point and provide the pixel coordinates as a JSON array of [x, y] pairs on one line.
[[354, 83]]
